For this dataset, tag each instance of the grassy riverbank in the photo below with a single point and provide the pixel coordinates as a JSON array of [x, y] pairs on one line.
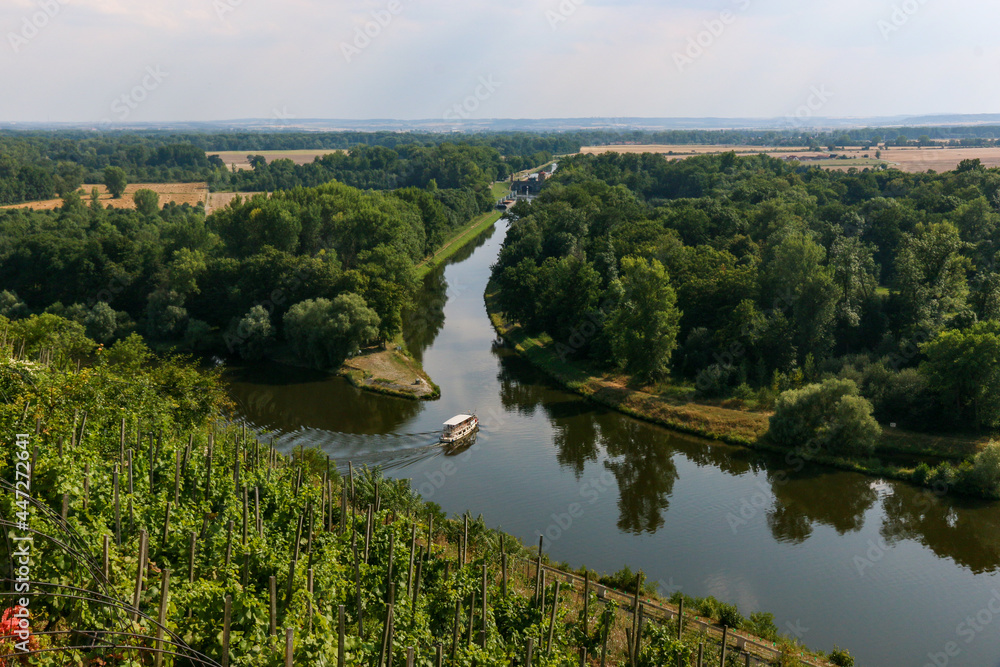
[[389, 370], [676, 408], [463, 235]]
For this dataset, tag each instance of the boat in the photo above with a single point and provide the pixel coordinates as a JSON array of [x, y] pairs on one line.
[[458, 427]]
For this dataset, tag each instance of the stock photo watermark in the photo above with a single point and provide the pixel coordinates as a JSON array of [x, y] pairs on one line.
[[33, 24], [900, 16], [713, 30], [468, 106], [23, 540], [363, 35], [123, 106], [562, 13]]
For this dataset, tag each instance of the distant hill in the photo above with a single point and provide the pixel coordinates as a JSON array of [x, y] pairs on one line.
[[531, 124]]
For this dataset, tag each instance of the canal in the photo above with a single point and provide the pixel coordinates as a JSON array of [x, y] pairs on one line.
[[895, 574]]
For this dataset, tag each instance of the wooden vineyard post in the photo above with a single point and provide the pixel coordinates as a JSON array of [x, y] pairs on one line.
[[272, 583], [229, 543], [106, 560], [340, 636], [604, 643], [438, 655], [701, 654], [465, 539], [256, 506], [454, 631], [413, 548], [409, 657], [191, 556], [291, 587], [529, 651], [177, 477], [166, 527], [161, 619], [680, 619], [483, 639], [725, 635], [552, 621], [289, 646], [86, 486], [140, 573], [208, 467], [503, 566], [586, 601], [118, 510], [538, 572], [226, 620]]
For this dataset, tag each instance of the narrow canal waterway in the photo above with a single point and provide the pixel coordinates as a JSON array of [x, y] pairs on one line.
[[898, 576]]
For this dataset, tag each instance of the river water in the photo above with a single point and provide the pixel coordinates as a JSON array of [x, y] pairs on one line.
[[897, 575]]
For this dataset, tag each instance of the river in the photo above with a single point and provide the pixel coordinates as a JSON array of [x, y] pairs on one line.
[[895, 574]]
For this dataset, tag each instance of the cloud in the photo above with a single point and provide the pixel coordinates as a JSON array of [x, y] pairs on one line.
[[243, 58]]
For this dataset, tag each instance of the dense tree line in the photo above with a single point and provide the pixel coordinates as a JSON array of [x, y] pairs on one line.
[[751, 276], [38, 165], [325, 269], [447, 166]]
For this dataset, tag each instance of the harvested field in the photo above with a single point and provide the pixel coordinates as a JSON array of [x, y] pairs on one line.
[[303, 156], [217, 200], [911, 159], [181, 193]]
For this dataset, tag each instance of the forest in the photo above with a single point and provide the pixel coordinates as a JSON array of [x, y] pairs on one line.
[[323, 270], [38, 165], [836, 299]]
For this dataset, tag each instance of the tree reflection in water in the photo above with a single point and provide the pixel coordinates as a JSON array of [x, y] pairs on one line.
[[964, 530], [817, 496], [644, 466]]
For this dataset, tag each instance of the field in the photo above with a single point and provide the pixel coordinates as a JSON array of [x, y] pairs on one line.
[[303, 156], [182, 193], [911, 159]]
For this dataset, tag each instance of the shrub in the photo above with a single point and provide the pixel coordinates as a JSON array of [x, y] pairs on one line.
[[982, 476], [830, 415], [730, 616], [841, 657]]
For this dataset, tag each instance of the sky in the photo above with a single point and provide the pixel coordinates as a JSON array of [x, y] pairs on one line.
[[123, 61]]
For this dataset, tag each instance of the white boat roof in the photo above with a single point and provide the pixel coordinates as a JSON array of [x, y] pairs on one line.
[[457, 419]]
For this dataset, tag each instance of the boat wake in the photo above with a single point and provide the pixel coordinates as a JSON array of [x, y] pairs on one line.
[[386, 450]]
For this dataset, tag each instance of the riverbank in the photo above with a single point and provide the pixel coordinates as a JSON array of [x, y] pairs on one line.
[[389, 370], [463, 235], [675, 409]]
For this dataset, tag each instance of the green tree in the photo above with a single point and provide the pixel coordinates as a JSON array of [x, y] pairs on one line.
[[146, 201], [116, 181], [930, 277], [323, 333], [101, 322], [252, 334], [644, 324], [963, 369], [856, 276], [830, 416], [795, 280]]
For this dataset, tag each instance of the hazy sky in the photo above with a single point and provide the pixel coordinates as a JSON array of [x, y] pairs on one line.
[[162, 60]]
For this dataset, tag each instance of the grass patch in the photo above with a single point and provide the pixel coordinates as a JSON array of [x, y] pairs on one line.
[[464, 235]]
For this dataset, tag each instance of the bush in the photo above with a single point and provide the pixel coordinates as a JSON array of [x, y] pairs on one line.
[[830, 415], [841, 657], [762, 625], [982, 476], [730, 616]]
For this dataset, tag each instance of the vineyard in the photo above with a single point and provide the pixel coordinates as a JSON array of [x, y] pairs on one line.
[[144, 527]]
